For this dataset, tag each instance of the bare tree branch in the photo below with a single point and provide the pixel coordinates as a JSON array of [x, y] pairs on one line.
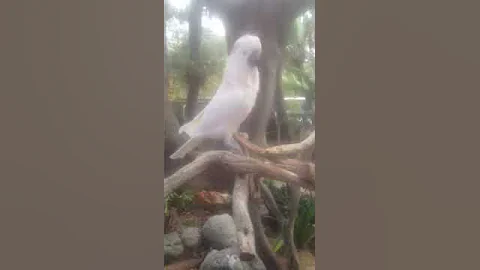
[[296, 173], [265, 251], [237, 164], [271, 203], [294, 261], [243, 222], [295, 195], [279, 150]]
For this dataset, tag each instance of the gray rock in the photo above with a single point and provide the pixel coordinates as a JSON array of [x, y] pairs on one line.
[[173, 247], [220, 232], [228, 259], [191, 237]]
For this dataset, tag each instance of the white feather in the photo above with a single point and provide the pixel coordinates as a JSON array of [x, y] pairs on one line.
[[232, 102], [187, 147]]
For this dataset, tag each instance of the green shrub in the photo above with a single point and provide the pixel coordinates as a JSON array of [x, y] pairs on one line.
[[304, 227], [179, 201]]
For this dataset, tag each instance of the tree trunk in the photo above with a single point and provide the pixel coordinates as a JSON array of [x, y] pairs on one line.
[[194, 73], [172, 139], [257, 122], [280, 109]]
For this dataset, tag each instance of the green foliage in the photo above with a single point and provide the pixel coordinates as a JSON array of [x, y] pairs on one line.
[[278, 245], [299, 71], [180, 201], [305, 222], [280, 194], [212, 57], [213, 53], [304, 227], [298, 76]]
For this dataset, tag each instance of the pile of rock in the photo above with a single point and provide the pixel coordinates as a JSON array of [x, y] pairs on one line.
[[218, 237]]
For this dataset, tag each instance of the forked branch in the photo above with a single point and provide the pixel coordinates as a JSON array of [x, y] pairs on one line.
[[237, 164], [280, 150]]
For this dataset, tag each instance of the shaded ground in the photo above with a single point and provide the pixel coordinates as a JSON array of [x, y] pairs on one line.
[[197, 214]]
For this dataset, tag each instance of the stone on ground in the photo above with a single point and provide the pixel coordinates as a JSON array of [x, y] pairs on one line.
[[228, 259], [173, 247], [219, 232], [191, 237]]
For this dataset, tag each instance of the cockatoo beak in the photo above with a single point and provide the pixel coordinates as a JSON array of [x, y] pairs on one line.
[[254, 59]]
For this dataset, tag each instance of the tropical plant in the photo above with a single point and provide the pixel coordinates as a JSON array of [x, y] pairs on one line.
[[180, 201], [298, 76], [304, 228]]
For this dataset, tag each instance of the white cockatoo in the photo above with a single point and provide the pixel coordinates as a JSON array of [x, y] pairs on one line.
[[233, 100]]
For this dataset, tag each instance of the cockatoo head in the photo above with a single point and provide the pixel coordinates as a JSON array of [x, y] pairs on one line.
[[249, 48]]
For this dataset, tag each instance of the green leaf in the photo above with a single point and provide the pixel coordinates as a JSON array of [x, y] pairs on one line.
[[278, 245]]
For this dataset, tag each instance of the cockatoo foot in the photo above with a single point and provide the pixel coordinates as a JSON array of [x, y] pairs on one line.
[[243, 135], [233, 145]]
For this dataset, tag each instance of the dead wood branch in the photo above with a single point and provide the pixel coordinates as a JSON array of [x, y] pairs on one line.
[[301, 167], [265, 252], [275, 165], [279, 150], [243, 222], [237, 164], [295, 193], [294, 261], [270, 203]]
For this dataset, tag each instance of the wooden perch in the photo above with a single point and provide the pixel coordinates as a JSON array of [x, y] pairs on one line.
[[274, 163], [278, 155], [237, 164], [241, 217], [280, 150]]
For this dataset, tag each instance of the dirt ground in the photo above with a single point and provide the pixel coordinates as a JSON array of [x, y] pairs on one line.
[[195, 216]]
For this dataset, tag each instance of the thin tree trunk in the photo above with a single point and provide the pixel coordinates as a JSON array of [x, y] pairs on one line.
[[257, 122], [280, 108], [295, 193], [194, 73], [172, 139], [265, 252]]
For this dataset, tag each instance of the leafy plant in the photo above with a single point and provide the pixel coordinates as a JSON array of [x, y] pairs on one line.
[[304, 227], [180, 201], [278, 245], [304, 230]]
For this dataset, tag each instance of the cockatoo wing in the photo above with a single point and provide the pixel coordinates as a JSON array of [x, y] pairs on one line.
[[187, 147], [232, 102], [223, 114]]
